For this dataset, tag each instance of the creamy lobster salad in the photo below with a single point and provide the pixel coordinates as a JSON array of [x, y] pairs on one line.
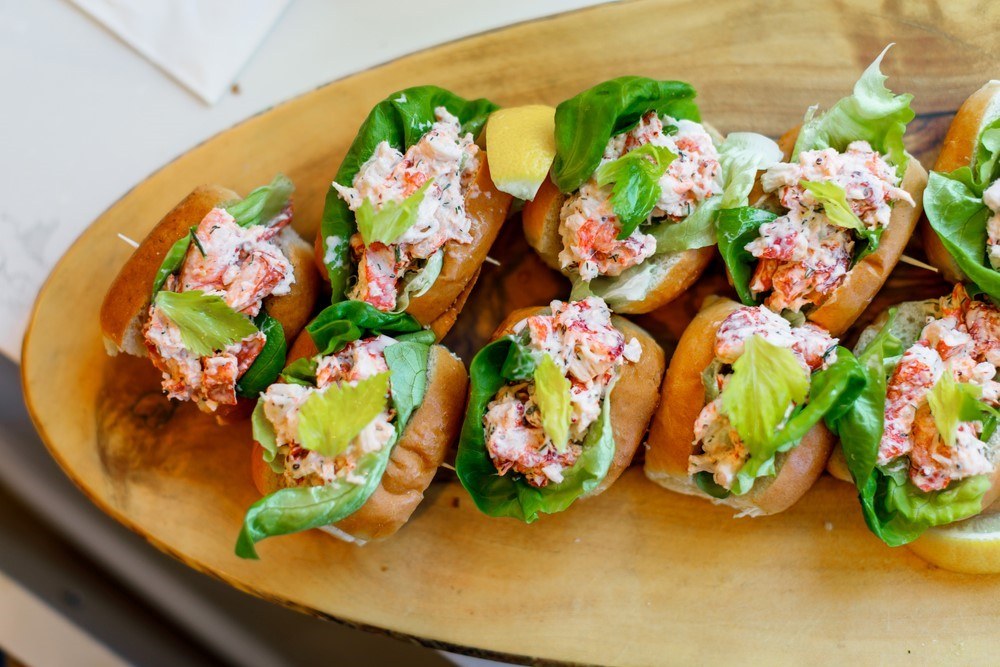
[[200, 332], [804, 255], [588, 224], [358, 361], [408, 206], [587, 353], [961, 344]]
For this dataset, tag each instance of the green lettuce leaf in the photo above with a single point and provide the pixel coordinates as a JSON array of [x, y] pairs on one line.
[[741, 156], [266, 368], [585, 123], [520, 363], [987, 159], [417, 283], [302, 371], [509, 495], [401, 119], [737, 227], [264, 434], [407, 361], [264, 204], [552, 395], [301, 508], [919, 510], [389, 222], [343, 322], [172, 262], [207, 324], [636, 184], [329, 419], [873, 114], [860, 426], [956, 212], [838, 211]]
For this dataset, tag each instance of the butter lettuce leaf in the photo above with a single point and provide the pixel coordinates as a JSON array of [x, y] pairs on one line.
[[266, 368], [509, 495], [263, 204], [738, 227], [401, 120], [207, 324], [956, 212], [741, 156], [172, 261], [265, 436], [586, 122], [872, 113], [635, 184]]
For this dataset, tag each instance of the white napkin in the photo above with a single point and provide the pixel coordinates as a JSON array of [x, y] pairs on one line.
[[202, 43]]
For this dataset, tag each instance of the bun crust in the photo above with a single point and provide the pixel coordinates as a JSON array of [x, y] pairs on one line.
[[540, 218], [957, 151], [439, 307], [671, 435], [866, 278], [633, 397], [415, 457]]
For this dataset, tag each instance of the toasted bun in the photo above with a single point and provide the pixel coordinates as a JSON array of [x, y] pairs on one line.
[[958, 149], [866, 278], [633, 397], [439, 307], [671, 435], [415, 457], [676, 271], [837, 465], [125, 306]]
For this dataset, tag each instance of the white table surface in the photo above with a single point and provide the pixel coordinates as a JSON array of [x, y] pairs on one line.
[[84, 117]]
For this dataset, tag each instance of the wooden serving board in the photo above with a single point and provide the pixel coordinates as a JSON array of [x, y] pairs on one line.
[[636, 576]]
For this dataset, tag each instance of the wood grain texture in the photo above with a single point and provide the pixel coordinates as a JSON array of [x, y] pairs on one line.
[[637, 575]]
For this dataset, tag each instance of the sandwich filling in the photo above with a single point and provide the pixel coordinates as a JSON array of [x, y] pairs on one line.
[[991, 197], [243, 266], [359, 360], [581, 340], [965, 343], [803, 255], [589, 227], [721, 451], [444, 158]]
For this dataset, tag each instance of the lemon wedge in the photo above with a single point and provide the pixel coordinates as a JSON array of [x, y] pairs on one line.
[[521, 144], [971, 546]]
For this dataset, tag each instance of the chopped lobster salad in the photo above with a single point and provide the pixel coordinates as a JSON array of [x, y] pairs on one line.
[[991, 197], [581, 340], [722, 452], [802, 255], [588, 224], [359, 360], [243, 266], [445, 160], [965, 342]]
